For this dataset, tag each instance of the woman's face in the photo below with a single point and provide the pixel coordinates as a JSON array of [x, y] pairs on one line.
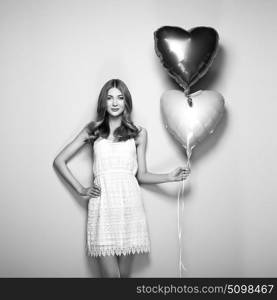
[[115, 102]]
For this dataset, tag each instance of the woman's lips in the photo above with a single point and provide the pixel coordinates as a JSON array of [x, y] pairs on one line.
[[115, 109]]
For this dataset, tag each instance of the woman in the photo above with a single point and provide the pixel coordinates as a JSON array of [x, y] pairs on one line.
[[117, 228]]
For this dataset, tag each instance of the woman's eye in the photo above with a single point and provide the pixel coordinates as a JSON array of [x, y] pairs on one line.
[[119, 98]]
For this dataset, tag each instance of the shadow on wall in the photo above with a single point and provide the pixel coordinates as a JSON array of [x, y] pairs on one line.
[[91, 264]]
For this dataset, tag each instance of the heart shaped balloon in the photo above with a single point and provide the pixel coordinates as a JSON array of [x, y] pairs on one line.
[[191, 124], [187, 55]]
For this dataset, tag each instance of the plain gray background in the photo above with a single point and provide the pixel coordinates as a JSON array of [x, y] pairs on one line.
[[56, 55]]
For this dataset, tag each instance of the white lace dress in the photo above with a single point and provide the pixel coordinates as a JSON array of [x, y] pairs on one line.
[[117, 221]]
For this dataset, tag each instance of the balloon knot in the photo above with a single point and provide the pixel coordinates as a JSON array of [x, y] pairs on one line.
[[189, 101], [186, 91]]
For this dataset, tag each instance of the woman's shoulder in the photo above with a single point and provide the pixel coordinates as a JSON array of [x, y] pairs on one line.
[[142, 130], [142, 134], [90, 126], [88, 131]]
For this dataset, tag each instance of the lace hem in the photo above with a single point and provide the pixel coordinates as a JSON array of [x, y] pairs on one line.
[[109, 250]]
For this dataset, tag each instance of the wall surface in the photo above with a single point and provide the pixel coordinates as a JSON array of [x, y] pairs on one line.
[[56, 55]]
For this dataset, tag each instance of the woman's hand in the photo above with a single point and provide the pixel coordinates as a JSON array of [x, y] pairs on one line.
[[91, 192], [178, 174]]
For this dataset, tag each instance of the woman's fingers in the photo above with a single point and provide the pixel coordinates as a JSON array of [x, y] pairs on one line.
[[94, 191], [184, 172], [183, 176], [183, 169]]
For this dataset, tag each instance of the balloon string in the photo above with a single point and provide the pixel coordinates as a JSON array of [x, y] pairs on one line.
[[181, 192]]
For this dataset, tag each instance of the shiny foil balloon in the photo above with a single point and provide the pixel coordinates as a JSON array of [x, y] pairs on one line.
[[191, 124], [187, 55]]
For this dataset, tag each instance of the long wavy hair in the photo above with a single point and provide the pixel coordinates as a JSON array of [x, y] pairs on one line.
[[101, 127]]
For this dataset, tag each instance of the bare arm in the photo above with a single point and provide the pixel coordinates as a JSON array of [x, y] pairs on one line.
[[144, 176], [60, 162]]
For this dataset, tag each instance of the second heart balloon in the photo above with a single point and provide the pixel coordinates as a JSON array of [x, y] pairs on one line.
[[191, 124]]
